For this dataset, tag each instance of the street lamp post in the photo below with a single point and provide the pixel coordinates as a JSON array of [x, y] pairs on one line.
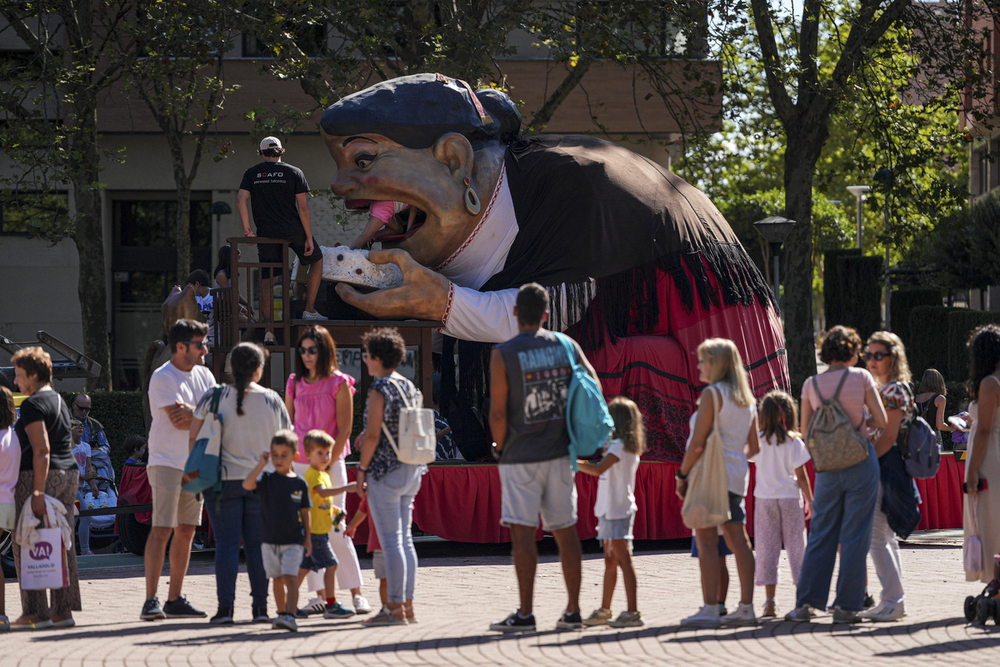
[[859, 193], [775, 229], [886, 178]]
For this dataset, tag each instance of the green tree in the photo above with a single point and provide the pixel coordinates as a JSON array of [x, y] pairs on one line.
[[880, 68], [49, 134], [180, 79]]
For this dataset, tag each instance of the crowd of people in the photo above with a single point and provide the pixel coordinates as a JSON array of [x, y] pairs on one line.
[[283, 478]]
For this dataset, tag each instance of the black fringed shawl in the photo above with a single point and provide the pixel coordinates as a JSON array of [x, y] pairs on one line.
[[590, 209]]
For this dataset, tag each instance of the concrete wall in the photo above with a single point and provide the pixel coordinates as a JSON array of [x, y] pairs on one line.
[[38, 291]]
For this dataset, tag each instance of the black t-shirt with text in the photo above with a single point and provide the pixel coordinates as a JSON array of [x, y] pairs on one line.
[[272, 187], [47, 406], [281, 499]]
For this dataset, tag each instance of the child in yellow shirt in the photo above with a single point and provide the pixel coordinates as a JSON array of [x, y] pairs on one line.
[[323, 516]]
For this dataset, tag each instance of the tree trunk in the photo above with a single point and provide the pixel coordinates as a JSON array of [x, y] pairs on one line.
[[801, 156], [183, 225], [89, 235]]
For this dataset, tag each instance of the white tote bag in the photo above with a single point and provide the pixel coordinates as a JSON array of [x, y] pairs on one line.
[[972, 549], [44, 564]]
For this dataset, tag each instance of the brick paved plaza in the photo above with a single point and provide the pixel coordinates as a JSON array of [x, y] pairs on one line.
[[458, 596]]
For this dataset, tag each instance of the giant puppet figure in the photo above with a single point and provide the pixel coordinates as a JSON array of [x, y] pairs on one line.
[[640, 265]]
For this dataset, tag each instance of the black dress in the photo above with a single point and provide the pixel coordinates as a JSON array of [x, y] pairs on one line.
[[928, 410]]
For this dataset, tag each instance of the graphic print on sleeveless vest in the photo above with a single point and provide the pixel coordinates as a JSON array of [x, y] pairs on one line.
[[545, 374]]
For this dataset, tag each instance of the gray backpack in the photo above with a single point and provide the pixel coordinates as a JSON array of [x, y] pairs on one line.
[[831, 439], [920, 449]]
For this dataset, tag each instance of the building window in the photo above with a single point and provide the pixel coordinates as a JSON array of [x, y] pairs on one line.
[[144, 268], [310, 38], [33, 214], [984, 170], [153, 223]]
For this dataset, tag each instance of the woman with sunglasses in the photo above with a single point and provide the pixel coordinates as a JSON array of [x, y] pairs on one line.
[[886, 359], [844, 500], [319, 396]]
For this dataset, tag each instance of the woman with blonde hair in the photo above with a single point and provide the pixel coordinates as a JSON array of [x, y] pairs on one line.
[[843, 500], [720, 365], [886, 359]]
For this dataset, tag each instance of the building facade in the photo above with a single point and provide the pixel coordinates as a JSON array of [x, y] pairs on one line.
[[39, 281]]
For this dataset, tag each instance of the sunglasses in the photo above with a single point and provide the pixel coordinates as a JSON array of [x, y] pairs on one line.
[[200, 344], [312, 349], [877, 356]]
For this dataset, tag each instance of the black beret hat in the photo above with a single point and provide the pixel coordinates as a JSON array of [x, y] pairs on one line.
[[416, 110]]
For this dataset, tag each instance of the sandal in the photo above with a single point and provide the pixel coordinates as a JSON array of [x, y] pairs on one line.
[[408, 614], [385, 617]]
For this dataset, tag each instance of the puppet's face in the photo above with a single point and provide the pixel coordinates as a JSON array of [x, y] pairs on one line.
[[371, 168]]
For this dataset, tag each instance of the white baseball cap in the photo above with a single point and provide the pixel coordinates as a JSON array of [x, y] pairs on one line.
[[269, 142]]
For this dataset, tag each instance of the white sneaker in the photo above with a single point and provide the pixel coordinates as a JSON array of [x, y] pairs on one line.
[[314, 606], [361, 605], [802, 614], [744, 615], [707, 617], [306, 315], [884, 613]]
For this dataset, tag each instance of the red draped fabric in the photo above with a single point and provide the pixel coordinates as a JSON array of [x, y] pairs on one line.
[[658, 368], [462, 502]]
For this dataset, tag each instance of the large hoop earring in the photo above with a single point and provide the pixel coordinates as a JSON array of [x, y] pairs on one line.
[[472, 203]]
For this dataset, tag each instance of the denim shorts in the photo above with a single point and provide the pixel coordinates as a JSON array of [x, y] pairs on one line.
[[736, 509], [281, 560], [322, 554], [615, 529]]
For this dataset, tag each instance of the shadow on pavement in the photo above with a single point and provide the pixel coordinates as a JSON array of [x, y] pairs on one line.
[[238, 632], [430, 644], [781, 628]]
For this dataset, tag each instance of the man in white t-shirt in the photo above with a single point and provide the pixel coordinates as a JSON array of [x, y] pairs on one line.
[[174, 390]]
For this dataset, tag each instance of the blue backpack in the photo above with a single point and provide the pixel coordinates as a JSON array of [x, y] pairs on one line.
[[587, 418], [204, 459]]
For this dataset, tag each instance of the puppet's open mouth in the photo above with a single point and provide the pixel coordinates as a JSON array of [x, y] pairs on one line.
[[387, 235]]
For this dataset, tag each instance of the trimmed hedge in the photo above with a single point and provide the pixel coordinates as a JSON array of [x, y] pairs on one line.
[[961, 323], [905, 300], [834, 294], [953, 399], [120, 412], [928, 344], [862, 307]]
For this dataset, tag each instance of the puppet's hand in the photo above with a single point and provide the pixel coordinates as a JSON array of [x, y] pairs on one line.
[[423, 294]]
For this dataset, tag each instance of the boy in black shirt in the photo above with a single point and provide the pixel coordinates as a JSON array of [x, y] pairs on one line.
[[284, 514]]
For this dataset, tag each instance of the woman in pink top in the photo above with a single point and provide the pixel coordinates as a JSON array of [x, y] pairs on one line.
[[844, 500], [319, 396]]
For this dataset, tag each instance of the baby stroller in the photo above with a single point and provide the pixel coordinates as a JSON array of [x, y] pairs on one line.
[[101, 527], [986, 605]]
